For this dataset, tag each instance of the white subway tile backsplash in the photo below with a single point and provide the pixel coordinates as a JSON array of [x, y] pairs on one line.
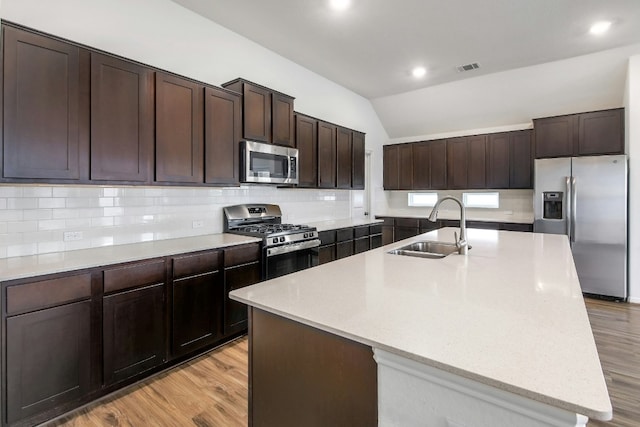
[[39, 215]]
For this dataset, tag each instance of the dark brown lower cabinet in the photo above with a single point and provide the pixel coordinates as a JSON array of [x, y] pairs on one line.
[[241, 268], [361, 245], [344, 249], [326, 253], [48, 359], [375, 241], [196, 301], [133, 332], [302, 376], [195, 320]]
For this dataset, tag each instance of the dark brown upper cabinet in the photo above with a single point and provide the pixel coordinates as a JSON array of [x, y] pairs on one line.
[[466, 162], [122, 124], [593, 133], [344, 160], [398, 167], [429, 165], [358, 156], [421, 165], [222, 134], [282, 120], [438, 164], [46, 106], [498, 160], [521, 159], [601, 132], [405, 167], [307, 145], [267, 114], [179, 130], [390, 167], [327, 135]]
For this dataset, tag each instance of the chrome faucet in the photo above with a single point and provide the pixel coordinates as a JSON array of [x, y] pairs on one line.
[[461, 244]]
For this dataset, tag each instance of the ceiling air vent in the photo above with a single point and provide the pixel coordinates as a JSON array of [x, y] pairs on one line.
[[468, 67]]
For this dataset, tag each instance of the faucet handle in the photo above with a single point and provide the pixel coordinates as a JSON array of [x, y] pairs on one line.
[[455, 237]]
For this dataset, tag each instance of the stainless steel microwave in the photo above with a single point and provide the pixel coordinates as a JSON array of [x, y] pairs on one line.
[[268, 164]]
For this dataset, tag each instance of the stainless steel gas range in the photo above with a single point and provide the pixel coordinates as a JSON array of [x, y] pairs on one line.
[[286, 248]]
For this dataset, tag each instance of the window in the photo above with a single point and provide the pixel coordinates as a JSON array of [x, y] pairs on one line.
[[422, 199], [481, 200]]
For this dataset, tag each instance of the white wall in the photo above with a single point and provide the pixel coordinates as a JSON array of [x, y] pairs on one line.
[[632, 105], [162, 34], [585, 83]]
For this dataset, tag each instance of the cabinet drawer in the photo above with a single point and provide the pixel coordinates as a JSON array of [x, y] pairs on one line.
[[408, 222], [239, 255], [375, 229], [48, 293], [135, 275], [360, 231], [484, 225], [344, 234], [327, 237], [190, 265]]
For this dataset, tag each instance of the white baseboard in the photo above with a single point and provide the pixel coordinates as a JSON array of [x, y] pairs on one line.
[[634, 300]]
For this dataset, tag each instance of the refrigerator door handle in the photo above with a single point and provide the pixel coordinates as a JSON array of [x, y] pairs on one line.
[[569, 213], [574, 202]]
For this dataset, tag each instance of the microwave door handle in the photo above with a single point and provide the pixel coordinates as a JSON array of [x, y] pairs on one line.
[[574, 203], [568, 201]]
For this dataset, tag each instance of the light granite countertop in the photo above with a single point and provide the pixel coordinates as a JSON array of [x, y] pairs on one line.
[[36, 265], [510, 314]]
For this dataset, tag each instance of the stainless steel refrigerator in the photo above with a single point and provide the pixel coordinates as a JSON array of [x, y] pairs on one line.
[[586, 199]]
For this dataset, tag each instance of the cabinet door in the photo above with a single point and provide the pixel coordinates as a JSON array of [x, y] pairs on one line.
[[282, 120], [344, 249], [307, 145], [405, 172], [121, 119], [521, 160], [326, 155], [498, 159], [133, 332], [326, 254], [235, 313], [554, 136], [477, 162], [344, 159], [48, 359], [222, 129], [361, 245], [391, 159], [438, 164], [457, 167], [179, 134], [46, 106], [257, 113], [195, 310], [358, 156], [601, 132], [421, 166]]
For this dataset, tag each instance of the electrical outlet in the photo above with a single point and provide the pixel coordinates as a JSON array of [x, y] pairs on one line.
[[198, 224], [70, 236]]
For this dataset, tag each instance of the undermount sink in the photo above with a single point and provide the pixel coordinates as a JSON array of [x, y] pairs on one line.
[[426, 249]]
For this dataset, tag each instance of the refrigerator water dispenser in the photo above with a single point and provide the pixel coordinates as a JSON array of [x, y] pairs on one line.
[[552, 204]]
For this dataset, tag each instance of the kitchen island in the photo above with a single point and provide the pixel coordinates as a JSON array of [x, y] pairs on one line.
[[498, 337]]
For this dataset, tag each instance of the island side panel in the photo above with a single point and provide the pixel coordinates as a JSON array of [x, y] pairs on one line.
[[301, 376]]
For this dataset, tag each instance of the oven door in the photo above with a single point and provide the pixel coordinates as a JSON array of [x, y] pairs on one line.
[[285, 259]]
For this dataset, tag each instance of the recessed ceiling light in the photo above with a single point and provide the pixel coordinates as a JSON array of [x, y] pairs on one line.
[[339, 4], [419, 72], [600, 27]]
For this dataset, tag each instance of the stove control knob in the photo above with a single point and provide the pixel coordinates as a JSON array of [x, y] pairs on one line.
[[282, 239], [304, 235], [275, 240]]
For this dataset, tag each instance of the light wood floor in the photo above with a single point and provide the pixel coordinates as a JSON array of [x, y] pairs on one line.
[[212, 389]]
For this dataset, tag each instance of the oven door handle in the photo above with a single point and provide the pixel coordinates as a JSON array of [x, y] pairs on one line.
[[292, 247]]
